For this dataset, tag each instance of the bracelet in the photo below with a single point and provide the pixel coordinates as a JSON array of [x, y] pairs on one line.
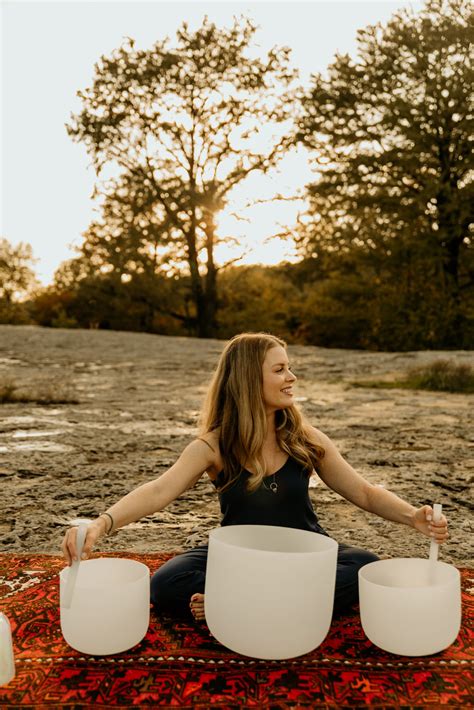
[[107, 532]]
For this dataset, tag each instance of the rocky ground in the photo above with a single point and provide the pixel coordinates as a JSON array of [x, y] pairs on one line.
[[138, 400]]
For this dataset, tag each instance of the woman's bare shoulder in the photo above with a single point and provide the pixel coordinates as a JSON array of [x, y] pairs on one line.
[[319, 437], [211, 439]]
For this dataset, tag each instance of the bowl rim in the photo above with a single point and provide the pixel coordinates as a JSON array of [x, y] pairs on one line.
[[426, 561], [145, 570], [333, 545]]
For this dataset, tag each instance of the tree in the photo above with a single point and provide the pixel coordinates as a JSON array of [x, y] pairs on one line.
[[17, 278], [392, 136], [279, 301], [70, 273], [182, 127]]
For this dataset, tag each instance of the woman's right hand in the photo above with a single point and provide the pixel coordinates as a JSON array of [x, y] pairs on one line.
[[95, 530]]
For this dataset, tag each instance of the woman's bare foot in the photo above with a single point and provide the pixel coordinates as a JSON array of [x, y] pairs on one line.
[[197, 607]]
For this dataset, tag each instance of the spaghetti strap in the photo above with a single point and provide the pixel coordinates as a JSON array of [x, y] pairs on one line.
[[206, 442]]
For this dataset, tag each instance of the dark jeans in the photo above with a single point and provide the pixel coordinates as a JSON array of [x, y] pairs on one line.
[[174, 583]]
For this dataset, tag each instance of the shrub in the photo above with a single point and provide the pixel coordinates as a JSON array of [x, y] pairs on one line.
[[46, 392], [442, 375], [439, 375]]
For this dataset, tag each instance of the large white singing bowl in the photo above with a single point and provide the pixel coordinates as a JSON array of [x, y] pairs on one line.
[[269, 590], [110, 608], [410, 607]]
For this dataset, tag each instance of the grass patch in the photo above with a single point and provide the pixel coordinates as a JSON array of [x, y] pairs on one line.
[[438, 376], [45, 392]]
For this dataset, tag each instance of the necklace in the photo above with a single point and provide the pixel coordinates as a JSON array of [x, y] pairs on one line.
[[273, 485]]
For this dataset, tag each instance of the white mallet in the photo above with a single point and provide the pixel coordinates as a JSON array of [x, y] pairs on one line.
[[74, 568], [434, 546]]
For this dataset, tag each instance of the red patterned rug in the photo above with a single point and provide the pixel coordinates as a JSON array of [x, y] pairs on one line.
[[180, 664]]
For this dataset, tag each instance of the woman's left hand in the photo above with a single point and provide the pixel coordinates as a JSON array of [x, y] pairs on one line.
[[423, 521]]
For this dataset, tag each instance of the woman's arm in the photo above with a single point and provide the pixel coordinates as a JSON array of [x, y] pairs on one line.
[[342, 478], [148, 498]]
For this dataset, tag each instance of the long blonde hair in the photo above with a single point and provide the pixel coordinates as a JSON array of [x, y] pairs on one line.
[[234, 406]]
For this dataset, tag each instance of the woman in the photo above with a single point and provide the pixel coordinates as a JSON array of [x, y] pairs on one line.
[[259, 452]]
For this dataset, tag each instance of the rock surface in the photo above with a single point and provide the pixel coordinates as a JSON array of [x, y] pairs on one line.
[[139, 398]]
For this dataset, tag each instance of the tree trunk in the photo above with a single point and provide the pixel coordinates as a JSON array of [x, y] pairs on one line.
[[196, 283], [450, 231], [205, 299], [211, 278]]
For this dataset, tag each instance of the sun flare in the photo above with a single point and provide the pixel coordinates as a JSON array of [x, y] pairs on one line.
[[259, 210]]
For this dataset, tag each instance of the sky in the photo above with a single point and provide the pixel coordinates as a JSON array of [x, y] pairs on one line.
[[48, 53]]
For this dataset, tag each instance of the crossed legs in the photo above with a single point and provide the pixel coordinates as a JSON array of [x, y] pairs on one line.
[[177, 587]]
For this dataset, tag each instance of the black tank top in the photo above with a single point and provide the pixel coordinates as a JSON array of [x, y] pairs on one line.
[[290, 506]]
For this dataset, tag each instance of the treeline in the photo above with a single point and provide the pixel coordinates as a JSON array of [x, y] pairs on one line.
[[386, 242], [346, 303]]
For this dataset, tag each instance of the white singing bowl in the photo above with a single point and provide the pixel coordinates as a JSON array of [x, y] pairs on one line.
[[269, 590], [110, 608], [410, 607]]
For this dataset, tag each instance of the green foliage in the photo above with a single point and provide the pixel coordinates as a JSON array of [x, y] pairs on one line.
[[45, 392], [17, 281], [14, 313], [387, 251], [391, 138], [156, 305], [338, 302], [256, 298], [50, 309], [7, 391], [352, 300], [184, 127], [442, 375], [438, 376]]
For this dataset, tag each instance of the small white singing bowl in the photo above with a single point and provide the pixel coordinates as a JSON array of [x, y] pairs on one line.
[[269, 590], [410, 607], [110, 608]]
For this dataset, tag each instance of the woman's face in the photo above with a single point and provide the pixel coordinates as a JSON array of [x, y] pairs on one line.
[[277, 379]]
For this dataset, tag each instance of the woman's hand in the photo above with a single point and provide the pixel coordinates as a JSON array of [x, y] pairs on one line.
[[423, 521], [95, 530]]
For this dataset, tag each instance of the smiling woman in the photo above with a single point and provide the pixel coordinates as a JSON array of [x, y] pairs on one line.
[[249, 414], [259, 452], [277, 379]]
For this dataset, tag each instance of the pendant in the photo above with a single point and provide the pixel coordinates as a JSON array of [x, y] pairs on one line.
[[274, 487]]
